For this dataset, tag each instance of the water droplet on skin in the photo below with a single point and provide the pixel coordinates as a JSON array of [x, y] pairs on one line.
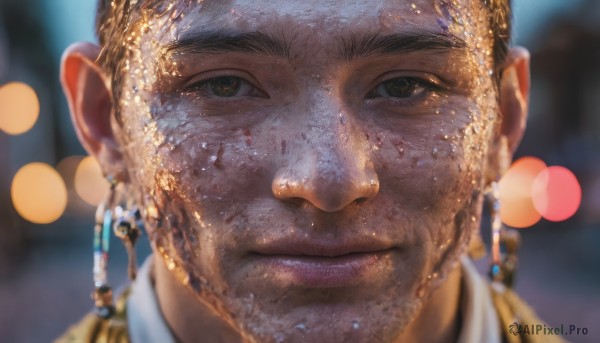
[[186, 280], [171, 265], [453, 150], [203, 145], [435, 152], [421, 292], [301, 327], [435, 179], [473, 219], [213, 158], [355, 325]]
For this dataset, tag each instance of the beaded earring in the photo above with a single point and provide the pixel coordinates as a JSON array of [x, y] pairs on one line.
[[505, 242], [125, 220]]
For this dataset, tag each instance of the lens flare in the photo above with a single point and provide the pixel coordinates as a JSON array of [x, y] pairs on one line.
[[19, 108], [516, 193], [90, 185], [556, 193], [38, 193]]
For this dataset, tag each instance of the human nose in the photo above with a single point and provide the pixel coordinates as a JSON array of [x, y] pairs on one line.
[[332, 171]]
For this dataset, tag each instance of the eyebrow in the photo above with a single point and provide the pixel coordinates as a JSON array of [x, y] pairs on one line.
[[352, 46], [222, 42], [372, 44]]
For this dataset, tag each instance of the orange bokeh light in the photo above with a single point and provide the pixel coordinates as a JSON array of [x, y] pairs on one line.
[[38, 193], [90, 184], [556, 193], [517, 208], [19, 108]]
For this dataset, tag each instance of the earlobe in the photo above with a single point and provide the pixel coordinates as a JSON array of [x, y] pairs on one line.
[[88, 94], [514, 97]]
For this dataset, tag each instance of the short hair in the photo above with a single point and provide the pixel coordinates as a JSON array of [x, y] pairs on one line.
[[114, 17]]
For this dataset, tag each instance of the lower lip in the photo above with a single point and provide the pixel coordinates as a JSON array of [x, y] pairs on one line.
[[324, 272]]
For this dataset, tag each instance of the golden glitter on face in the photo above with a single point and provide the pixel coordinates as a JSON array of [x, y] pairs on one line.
[[300, 136]]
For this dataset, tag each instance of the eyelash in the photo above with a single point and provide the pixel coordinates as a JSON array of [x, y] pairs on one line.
[[243, 84], [428, 88]]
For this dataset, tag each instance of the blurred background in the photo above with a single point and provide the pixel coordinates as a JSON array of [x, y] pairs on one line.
[[49, 189]]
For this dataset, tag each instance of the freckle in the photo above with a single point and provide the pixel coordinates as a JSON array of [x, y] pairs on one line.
[[195, 172], [303, 136], [283, 147], [399, 144], [367, 136], [248, 135]]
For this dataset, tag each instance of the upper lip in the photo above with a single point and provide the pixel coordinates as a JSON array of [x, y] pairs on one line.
[[321, 247]]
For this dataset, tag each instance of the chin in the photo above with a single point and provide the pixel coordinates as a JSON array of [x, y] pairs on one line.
[[326, 315]]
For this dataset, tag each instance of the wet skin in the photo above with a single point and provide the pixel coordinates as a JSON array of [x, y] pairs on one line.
[[303, 189]]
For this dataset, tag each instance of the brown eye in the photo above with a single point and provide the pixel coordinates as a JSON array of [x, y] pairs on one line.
[[401, 88], [227, 87]]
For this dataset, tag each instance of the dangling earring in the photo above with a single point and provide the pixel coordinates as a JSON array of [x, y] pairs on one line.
[[125, 220], [128, 225], [505, 242], [103, 298]]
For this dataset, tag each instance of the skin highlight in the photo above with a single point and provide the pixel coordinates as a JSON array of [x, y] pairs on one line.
[[315, 152]]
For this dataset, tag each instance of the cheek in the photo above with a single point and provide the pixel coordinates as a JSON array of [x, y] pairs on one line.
[[433, 169], [211, 168]]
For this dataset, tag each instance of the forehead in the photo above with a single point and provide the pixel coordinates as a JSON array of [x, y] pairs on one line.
[[327, 18]]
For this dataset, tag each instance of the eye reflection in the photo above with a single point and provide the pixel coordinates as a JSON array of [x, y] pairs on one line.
[[401, 88]]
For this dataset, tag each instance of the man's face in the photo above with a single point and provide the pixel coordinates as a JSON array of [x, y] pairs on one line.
[[316, 165]]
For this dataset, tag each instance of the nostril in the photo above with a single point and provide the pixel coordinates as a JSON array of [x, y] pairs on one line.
[[297, 201], [361, 200]]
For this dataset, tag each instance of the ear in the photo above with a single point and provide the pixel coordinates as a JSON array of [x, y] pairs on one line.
[[89, 96], [514, 104]]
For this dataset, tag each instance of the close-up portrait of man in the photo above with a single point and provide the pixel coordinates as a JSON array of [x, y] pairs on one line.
[[305, 171]]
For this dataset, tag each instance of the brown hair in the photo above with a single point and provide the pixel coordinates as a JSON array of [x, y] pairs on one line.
[[114, 17]]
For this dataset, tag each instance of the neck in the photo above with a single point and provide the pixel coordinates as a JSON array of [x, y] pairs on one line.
[[439, 319]]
